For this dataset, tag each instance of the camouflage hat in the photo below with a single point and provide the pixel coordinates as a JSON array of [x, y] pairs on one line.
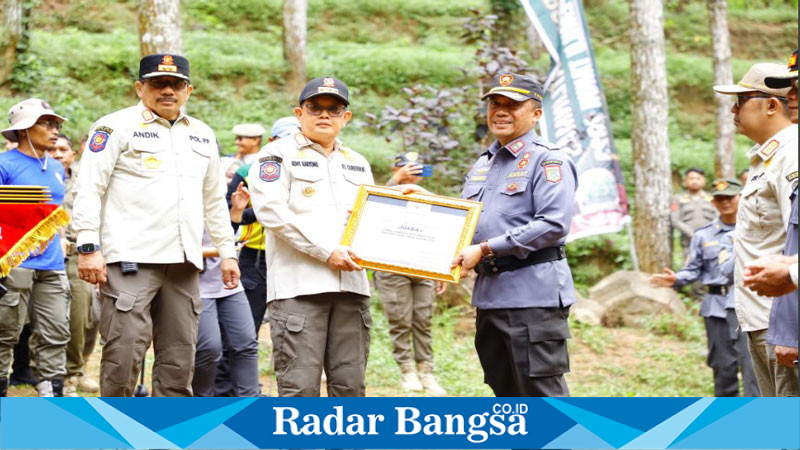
[[726, 187]]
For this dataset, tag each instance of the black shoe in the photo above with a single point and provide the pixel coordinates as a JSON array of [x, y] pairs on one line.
[[58, 387], [3, 387], [26, 377]]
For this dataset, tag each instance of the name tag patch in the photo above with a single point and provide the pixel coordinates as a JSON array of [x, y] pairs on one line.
[[305, 164], [353, 168], [199, 140], [145, 134]]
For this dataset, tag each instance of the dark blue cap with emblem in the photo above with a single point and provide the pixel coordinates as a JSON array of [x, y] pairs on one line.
[[516, 87], [163, 65], [325, 86]]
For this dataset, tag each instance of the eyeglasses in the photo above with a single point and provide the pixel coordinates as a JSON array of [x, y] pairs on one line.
[[316, 110], [741, 99], [176, 84], [49, 123]]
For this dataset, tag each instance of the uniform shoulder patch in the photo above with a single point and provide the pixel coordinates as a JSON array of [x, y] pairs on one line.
[[269, 171], [552, 171], [768, 150], [98, 141], [515, 147], [550, 162], [792, 176], [106, 129], [276, 159]]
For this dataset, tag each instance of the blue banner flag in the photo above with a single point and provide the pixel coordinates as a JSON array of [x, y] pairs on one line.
[[533, 423], [576, 117]]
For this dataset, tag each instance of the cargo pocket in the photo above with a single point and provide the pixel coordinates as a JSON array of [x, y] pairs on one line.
[[113, 320], [547, 349], [197, 305], [366, 319], [285, 339]]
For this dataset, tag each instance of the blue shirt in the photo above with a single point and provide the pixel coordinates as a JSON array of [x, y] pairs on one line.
[[783, 314], [17, 168], [528, 191], [711, 262]]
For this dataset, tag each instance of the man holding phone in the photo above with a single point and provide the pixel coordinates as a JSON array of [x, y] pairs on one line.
[[408, 301]]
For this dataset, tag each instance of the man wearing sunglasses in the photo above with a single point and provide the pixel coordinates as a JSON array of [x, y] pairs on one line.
[[761, 114], [776, 275], [40, 283], [149, 182], [302, 187]]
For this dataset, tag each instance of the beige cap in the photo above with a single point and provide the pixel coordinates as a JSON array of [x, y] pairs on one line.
[[753, 81], [249, 130], [24, 115]]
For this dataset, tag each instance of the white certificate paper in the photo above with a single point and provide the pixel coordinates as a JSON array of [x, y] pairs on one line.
[[405, 233]]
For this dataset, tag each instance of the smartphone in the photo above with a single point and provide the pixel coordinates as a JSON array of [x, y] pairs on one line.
[[427, 170]]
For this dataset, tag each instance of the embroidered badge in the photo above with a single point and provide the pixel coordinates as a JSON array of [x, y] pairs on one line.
[[277, 159], [147, 115], [506, 79], [721, 185], [512, 187], [478, 178], [328, 82], [106, 129], [98, 141], [308, 191], [768, 150], [518, 174], [167, 64], [412, 156], [792, 176], [482, 170], [552, 171], [269, 171], [152, 163], [515, 147], [523, 162]]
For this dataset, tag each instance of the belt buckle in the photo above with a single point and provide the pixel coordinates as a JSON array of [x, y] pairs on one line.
[[723, 290]]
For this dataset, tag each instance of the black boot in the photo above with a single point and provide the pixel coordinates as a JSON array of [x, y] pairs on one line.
[[3, 387], [58, 387]]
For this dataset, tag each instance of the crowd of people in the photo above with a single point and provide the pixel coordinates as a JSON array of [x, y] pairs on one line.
[[174, 247]]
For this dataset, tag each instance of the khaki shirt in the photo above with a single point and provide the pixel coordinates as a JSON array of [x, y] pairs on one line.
[[762, 219], [302, 198], [689, 212], [146, 189]]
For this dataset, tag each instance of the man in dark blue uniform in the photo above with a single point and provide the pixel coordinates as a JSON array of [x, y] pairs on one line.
[[524, 286], [710, 260]]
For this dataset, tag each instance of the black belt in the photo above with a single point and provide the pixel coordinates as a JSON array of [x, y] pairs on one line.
[[509, 263], [718, 289]]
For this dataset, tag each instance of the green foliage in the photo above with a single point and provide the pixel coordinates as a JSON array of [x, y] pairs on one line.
[[681, 327], [595, 257]]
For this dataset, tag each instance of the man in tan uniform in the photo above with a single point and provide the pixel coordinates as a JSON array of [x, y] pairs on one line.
[[761, 114], [148, 184], [692, 209], [302, 187]]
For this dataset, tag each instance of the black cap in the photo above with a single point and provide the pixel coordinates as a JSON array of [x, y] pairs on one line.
[[516, 87], [164, 66], [325, 86], [785, 80]]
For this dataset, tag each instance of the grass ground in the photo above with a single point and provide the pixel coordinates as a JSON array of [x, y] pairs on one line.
[[665, 358]]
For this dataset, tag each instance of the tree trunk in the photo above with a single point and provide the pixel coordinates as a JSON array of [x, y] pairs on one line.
[[723, 74], [294, 42], [160, 27], [10, 36], [649, 135]]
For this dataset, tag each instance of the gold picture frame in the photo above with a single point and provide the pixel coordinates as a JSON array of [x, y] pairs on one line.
[[454, 210]]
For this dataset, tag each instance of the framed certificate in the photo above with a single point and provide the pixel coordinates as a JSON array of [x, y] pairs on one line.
[[416, 235]]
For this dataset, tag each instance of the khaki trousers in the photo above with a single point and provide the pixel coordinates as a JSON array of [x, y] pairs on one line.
[[329, 330], [46, 294], [159, 304], [408, 303], [774, 380], [80, 318]]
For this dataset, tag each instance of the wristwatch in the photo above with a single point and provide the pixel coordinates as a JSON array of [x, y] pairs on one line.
[[486, 251], [85, 249]]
